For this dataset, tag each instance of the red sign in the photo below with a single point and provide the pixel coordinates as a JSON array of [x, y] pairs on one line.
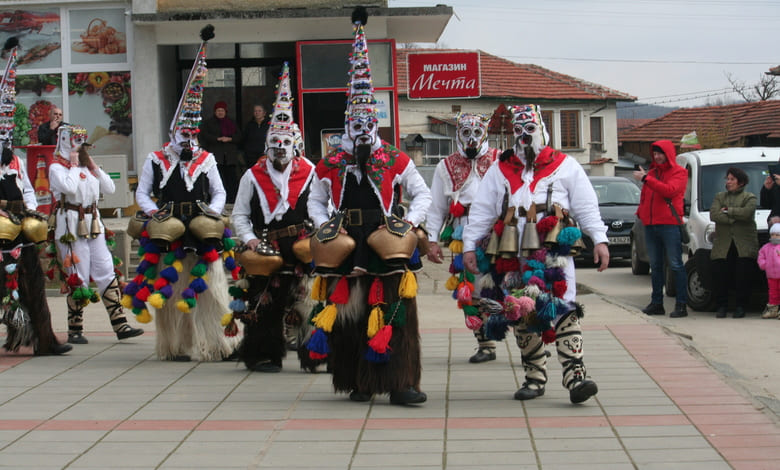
[[443, 75]]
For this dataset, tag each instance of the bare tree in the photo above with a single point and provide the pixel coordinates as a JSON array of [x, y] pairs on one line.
[[766, 88]]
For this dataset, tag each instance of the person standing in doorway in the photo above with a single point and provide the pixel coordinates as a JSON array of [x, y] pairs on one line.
[[220, 136], [661, 198], [47, 132], [255, 133]]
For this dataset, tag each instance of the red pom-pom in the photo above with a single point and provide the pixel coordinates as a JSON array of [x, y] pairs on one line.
[[473, 322], [376, 293], [381, 341], [235, 273], [153, 258], [74, 280], [505, 265], [160, 283], [210, 256], [139, 279], [50, 274], [143, 294], [176, 244], [457, 209], [559, 288], [498, 227], [548, 336], [546, 224], [317, 356], [340, 294]]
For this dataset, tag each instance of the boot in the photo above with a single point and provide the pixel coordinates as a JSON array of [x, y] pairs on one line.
[[534, 359], [111, 298], [75, 321], [654, 309], [679, 311], [771, 311], [739, 313], [722, 312], [406, 397], [483, 355], [569, 342]]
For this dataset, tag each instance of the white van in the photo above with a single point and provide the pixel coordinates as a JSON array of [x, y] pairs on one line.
[[706, 177]]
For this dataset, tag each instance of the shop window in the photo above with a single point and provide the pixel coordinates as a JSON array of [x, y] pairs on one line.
[[549, 121], [570, 129], [327, 68]]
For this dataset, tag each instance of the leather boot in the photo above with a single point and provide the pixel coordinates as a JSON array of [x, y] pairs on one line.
[[111, 299], [569, 342], [75, 321]]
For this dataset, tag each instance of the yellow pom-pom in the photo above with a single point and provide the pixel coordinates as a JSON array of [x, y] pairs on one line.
[[183, 306], [127, 301], [326, 318], [452, 283], [456, 246], [178, 266], [407, 289], [375, 321], [226, 319], [319, 289], [144, 316], [156, 300]]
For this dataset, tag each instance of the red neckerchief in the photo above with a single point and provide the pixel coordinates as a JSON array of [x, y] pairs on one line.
[[459, 167], [299, 177], [62, 161], [546, 163]]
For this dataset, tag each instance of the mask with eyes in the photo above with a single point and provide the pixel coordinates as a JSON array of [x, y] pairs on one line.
[[529, 131], [472, 135], [184, 142], [70, 140], [280, 148]]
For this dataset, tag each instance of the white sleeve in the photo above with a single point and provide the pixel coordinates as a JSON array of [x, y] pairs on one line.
[[242, 210], [28, 192], [106, 183], [217, 190], [415, 186], [319, 201], [585, 204], [61, 181], [143, 193], [485, 209], [439, 206]]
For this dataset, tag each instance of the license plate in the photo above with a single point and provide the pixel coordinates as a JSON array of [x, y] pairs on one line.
[[619, 240]]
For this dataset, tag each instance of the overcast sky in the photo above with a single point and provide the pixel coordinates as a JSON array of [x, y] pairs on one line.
[[666, 52]]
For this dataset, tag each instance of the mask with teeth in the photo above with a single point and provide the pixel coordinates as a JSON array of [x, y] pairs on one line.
[[529, 131], [472, 135]]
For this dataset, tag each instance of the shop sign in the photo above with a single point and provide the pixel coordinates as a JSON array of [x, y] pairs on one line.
[[443, 75]]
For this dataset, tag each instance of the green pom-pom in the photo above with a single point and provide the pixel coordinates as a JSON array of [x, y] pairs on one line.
[[169, 258], [67, 238], [136, 310], [396, 314], [236, 292], [446, 234], [228, 243], [192, 301], [117, 261], [469, 275], [141, 252], [151, 272], [199, 270], [111, 243], [470, 310], [78, 293]]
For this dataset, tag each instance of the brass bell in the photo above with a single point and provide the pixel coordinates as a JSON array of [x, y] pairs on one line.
[[577, 247], [551, 240], [507, 245], [530, 241], [492, 246], [81, 230], [94, 230]]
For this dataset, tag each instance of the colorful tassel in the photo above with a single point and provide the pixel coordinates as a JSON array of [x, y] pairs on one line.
[[456, 246], [376, 293], [407, 289], [326, 318], [340, 294], [143, 317], [318, 345], [226, 319], [380, 343], [319, 289], [452, 283], [375, 321]]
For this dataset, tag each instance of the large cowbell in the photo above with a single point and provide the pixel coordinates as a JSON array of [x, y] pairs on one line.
[[530, 242]]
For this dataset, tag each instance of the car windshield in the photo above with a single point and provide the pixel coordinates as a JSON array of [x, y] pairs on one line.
[[616, 193], [713, 180]]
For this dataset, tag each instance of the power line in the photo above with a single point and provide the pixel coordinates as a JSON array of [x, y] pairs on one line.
[[647, 61]]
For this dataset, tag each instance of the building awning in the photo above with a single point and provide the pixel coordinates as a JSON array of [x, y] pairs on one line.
[[417, 24]]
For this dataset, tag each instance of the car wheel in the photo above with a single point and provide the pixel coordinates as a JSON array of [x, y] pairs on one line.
[[638, 266], [699, 297]]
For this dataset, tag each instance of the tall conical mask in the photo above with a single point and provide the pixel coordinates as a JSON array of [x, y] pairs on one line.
[[188, 116], [284, 140], [8, 93], [361, 120]]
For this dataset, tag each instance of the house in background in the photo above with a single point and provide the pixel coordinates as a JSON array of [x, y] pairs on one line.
[[580, 116], [736, 125]]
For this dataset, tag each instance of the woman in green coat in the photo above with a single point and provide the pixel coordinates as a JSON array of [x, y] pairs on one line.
[[735, 246]]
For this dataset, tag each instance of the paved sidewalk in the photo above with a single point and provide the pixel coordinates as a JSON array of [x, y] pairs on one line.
[[114, 405]]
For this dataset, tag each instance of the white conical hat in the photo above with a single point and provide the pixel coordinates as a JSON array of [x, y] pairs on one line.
[[360, 101], [282, 121], [187, 114]]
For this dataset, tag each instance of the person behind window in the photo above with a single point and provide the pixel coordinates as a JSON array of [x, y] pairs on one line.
[[220, 136], [735, 246], [255, 133], [769, 198], [47, 132]]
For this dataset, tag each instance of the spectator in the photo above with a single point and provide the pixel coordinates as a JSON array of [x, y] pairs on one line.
[[735, 246], [769, 198], [47, 132], [662, 198], [769, 261], [220, 136], [254, 135]]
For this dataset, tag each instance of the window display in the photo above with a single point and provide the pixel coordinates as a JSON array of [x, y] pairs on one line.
[[98, 36], [39, 36]]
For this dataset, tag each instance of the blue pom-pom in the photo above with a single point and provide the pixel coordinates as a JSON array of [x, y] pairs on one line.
[[318, 342], [569, 235], [138, 303], [457, 263], [227, 233], [237, 305], [170, 274], [483, 262], [496, 327], [180, 253], [562, 250], [131, 289], [534, 264], [230, 263], [167, 291], [375, 357], [152, 248], [539, 273], [415, 259], [554, 274], [457, 234], [188, 293], [143, 266], [527, 276], [198, 285]]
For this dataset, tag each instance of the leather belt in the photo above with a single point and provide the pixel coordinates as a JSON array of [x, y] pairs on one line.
[[16, 206], [185, 209], [521, 212], [363, 217], [289, 231], [78, 208]]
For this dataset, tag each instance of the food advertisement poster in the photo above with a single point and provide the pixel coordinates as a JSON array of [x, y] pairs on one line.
[[38, 32], [98, 36], [35, 96]]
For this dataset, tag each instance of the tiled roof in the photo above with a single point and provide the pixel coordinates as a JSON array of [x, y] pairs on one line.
[[737, 120], [626, 124], [503, 78]]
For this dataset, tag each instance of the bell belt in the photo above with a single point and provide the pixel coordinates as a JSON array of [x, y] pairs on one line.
[[16, 206], [289, 231], [363, 217]]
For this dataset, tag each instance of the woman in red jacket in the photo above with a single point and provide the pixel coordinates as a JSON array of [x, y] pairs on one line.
[[663, 189]]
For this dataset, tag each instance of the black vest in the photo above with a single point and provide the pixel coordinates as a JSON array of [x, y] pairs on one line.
[[176, 191], [291, 217], [9, 191]]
